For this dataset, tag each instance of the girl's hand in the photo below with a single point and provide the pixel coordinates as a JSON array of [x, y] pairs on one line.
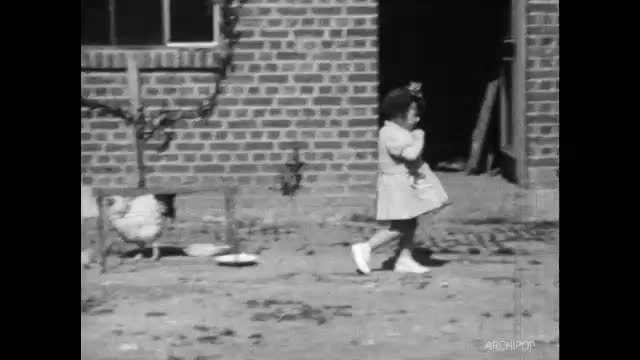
[[417, 133]]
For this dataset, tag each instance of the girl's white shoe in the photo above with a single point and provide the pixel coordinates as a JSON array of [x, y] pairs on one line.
[[361, 254], [406, 264]]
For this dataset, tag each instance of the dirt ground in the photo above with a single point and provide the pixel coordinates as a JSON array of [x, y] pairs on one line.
[[493, 279]]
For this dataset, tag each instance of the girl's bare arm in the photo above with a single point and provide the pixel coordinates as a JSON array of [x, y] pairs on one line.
[[413, 151]]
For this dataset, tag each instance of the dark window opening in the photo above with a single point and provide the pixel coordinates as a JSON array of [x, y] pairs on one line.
[[138, 22], [94, 28], [455, 48], [191, 21], [144, 22]]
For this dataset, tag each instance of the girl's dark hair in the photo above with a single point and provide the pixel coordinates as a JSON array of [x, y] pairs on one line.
[[397, 102]]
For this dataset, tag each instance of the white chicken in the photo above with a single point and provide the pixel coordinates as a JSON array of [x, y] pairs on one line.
[[138, 220]]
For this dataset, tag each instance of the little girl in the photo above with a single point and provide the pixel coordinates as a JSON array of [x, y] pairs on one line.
[[406, 186]]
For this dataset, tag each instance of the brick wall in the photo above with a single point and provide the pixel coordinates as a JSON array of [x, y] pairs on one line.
[[542, 93], [305, 74]]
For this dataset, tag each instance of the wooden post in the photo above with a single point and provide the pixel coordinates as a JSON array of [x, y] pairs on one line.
[[479, 137], [133, 78], [102, 237], [230, 194]]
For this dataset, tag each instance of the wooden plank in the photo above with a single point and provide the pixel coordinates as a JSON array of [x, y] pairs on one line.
[[102, 236], [133, 78], [518, 92], [231, 238], [479, 137], [133, 83]]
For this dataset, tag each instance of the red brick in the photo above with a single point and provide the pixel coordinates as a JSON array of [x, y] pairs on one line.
[[292, 101], [103, 159], [227, 146], [326, 156], [543, 96], [244, 56], [206, 157], [363, 100], [362, 10], [250, 45], [288, 145], [327, 101], [104, 125], [363, 167], [173, 169], [363, 122], [310, 123], [306, 90], [543, 30], [208, 169], [542, 7], [363, 78], [543, 162], [105, 169], [328, 56], [170, 79], [292, 11], [239, 135], [119, 148], [189, 158], [190, 103], [224, 157], [363, 145], [362, 55], [362, 32], [332, 10], [316, 167], [207, 124], [254, 68], [308, 33], [243, 168], [243, 124], [272, 79], [259, 157], [542, 74], [271, 168], [258, 101], [276, 123], [533, 119], [307, 78], [277, 34], [188, 135], [264, 145], [189, 146], [240, 113], [327, 145], [288, 55]]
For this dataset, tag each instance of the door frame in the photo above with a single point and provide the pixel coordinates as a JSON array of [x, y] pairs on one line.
[[518, 96]]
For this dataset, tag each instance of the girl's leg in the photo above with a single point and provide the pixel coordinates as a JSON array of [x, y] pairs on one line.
[[362, 252], [405, 261]]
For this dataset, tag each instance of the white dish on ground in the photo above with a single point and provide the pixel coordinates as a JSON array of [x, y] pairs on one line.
[[241, 259]]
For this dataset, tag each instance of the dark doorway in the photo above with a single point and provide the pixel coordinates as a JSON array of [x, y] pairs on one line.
[[454, 48]]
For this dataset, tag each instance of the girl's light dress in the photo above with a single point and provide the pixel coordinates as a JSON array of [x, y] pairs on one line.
[[397, 199]]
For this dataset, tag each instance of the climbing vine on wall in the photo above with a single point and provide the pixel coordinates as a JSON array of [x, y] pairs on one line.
[[145, 126]]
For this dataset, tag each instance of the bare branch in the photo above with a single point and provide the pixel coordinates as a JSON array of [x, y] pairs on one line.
[[96, 105]]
